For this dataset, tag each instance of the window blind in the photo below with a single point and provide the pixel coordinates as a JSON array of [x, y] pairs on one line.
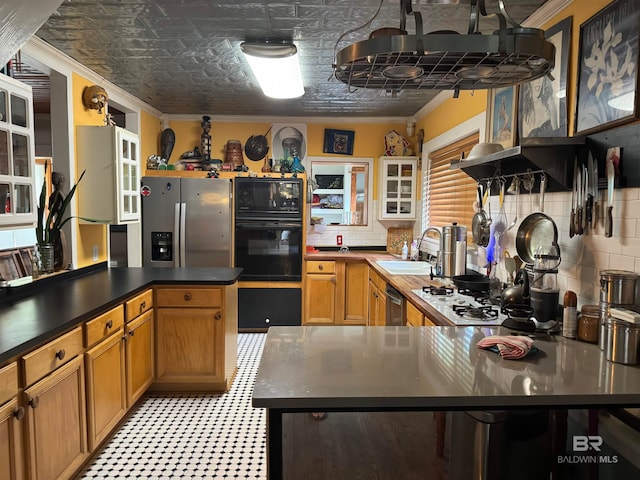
[[449, 192]]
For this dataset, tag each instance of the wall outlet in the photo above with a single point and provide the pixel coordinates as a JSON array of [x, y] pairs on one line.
[[338, 239], [95, 253]]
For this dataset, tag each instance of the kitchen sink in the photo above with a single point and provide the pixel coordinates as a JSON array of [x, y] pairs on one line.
[[405, 267]]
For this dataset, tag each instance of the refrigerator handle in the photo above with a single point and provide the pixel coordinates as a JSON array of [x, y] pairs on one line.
[[183, 235], [176, 232]]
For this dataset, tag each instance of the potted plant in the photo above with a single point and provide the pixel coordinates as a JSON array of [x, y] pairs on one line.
[[48, 233]]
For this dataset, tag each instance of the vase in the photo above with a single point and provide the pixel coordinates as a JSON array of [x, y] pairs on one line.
[[46, 257]]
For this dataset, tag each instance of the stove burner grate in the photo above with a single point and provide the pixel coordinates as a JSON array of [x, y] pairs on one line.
[[433, 290], [482, 313]]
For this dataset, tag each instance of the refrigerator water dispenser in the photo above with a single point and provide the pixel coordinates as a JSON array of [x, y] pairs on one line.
[[161, 246]]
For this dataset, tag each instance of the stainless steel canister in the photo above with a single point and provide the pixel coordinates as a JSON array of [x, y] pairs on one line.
[[623, 341], [618, 286], [454, 250]]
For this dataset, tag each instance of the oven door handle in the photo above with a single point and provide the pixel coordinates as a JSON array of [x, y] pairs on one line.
[[268, 226]]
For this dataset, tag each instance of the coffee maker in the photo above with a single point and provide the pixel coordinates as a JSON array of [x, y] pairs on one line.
[[544, 284]]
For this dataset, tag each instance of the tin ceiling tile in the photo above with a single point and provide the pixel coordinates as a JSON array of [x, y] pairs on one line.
[[183, 57]]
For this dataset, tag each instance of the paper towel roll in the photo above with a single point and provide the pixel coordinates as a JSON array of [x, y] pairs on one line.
[[461, 258]]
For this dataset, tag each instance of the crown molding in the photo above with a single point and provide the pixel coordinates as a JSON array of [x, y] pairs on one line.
[[545, 13], [268, 119], [54, 59]]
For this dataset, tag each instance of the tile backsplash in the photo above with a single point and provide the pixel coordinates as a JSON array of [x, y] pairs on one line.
[[583, 256]]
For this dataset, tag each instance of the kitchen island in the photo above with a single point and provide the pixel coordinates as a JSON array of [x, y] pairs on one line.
[[327, 369], [54, 305]]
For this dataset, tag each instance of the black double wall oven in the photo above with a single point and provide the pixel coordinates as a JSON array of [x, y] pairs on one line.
[[268, 246]]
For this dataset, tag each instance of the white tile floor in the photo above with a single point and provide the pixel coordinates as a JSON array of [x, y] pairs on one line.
[[194, 436]]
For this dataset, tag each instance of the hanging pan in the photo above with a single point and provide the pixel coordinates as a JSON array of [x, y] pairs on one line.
[[257, 146], [536, 229]]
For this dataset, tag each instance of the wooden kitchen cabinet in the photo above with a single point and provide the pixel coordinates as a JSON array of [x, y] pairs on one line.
[[335, 292], [377, 300], [320, 293], [105, 370], [11, 425], [109, 191], [398, 177], [414, 317], [139, 346], [18, 205], [196, 342], [56, 421]]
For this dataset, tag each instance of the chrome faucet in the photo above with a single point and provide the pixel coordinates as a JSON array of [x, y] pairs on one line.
[[439, 254]]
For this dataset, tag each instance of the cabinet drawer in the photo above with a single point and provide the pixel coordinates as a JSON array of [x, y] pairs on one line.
[[139, 304], [415, 318], [8, 382], [103, 325], [47, 358], [189, 297], [315, 266]]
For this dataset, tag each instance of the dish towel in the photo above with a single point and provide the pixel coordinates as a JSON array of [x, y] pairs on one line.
[[510, 347]]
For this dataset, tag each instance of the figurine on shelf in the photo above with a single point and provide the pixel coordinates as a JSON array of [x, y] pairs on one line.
[[205, 138]]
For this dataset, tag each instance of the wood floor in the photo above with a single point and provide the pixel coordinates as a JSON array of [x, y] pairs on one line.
[[362, 446]]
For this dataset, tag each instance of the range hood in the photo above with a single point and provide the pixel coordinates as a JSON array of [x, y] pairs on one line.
[[447, 60]]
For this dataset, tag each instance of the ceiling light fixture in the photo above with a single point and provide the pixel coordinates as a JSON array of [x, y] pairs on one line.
[[446, 60], [276, 67]]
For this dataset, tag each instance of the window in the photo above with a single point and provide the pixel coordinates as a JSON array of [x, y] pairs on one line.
[[448, 195]]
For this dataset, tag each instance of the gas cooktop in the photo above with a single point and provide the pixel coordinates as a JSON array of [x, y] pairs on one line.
[[462, 307]]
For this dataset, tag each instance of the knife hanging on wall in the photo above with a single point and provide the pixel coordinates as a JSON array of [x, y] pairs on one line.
[[611, 174], [596, 194], [572, 218], [590, 190]]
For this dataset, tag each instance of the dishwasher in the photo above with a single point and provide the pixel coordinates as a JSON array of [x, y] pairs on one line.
[[395, 307]]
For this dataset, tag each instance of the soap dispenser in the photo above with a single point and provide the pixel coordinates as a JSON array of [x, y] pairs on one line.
[[405, 251]]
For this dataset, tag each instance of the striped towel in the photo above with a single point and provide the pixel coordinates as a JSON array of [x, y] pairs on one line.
[[510, 347]]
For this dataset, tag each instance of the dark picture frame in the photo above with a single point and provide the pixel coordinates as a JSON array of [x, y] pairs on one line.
[[608, 68], [542, 110], [501, 116], [338, 141]]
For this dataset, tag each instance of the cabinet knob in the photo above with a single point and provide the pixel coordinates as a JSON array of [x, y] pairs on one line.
[[19, 413], [333, 279], [187, 297], [34, 402], [143, 305], [60, 354], [217, 316], [131, 332], [320, 267], [109, 324]]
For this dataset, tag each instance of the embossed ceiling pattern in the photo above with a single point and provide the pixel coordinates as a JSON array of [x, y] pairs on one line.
[[183, 56]]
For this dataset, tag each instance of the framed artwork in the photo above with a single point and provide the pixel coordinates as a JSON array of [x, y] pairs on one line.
[[608, 68], [338, 141], [501, 116], [542, 110], [287, 139]]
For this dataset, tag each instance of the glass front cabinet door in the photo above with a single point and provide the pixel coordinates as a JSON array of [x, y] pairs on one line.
[[17, 155], [109, 191], [398, 188]]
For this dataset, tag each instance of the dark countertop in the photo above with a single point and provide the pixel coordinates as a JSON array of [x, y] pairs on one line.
[[32, 320], [376, 368]]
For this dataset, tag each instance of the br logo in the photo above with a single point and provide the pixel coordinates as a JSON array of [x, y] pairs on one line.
[[583, 443]]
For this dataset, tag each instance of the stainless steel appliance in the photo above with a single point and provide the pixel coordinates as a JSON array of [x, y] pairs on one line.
[[268, 228], [454, 250], [395, 307], [186, 222]]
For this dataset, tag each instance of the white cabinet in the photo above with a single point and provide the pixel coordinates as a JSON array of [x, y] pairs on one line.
[[398, 188], [109, 191], [17, 155]]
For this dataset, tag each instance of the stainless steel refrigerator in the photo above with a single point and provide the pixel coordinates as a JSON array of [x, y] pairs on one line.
[[186, 222]]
